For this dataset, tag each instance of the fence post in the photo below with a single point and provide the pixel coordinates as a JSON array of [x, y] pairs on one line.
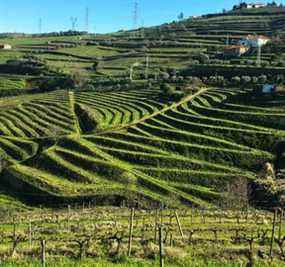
[[43, 253], [14, 228], [68, 218], [273, 232], [30, 234], [155, 225], [280, 223], [179, 225], [161, 248], [203, 220], [131, 231]]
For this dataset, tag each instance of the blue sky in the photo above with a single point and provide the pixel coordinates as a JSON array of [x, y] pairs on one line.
[[105, 16]]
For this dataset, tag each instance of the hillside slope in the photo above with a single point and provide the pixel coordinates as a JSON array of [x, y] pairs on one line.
[[117, 140]]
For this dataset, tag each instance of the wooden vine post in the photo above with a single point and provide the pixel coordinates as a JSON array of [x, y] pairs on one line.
[[30, 234], [15, 241], [68, 217], [155, 225], [179, 225], [273, 232], [43, 253], [131, 226], [280, 223], [14, 228], [161, 247]]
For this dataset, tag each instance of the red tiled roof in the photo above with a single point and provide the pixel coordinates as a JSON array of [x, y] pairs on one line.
[[235, 46], [255, 37]]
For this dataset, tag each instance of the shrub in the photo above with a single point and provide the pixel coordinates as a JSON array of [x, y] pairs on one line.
[[95, 65], [235, 80], [164, 76], [262, 79], [167, 89], [245, 79]]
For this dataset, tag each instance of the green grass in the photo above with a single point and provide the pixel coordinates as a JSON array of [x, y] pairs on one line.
[[89, 51], [133, 263], [141, 145], [141, 142]]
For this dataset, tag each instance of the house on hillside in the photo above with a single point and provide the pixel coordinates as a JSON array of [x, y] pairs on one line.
[[5, 47], [268, 88], [254, 5], [235, 50], [254, 41], [273, 88], [249, 6]]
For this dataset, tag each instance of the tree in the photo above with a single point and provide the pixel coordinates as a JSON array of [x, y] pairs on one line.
[[262, 79], [245, 80], [254, 79], [95, 65], [164, 75], [203, 58], [181, 16], [78, 80], [183, 27], [167, 89], [236, 80]]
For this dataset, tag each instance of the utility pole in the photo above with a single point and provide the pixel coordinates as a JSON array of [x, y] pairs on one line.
[[73, 23], [40, 25], [135, 16], [142, 28], [87, 19], [146, 66], [258, 62], [136, 64], [228, 40]]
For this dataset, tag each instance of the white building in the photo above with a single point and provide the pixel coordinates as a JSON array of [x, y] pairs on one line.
[[254, 41], [5, 47], [244, 5], [255, 5], [268, 88]]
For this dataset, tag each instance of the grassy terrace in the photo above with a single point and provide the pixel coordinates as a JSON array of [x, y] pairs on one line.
[[189, 150], [68, 145], [107, 141]]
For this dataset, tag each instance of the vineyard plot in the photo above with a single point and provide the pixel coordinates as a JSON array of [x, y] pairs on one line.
[[177, 153]]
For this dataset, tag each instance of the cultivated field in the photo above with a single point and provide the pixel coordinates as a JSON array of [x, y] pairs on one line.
[[157, 119], [138, 145], [104, 236]]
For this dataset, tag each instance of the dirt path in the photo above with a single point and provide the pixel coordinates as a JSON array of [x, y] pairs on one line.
[[72, 109], [172, 106]]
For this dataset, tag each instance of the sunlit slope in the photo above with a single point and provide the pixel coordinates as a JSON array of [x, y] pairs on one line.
[[175, 153]]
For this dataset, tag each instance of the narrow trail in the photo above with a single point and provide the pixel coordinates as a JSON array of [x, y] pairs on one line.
[[172, 106], [72, 109]]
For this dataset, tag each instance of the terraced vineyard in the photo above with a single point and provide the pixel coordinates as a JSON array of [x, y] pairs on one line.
[[186, 152], [112, 143]]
